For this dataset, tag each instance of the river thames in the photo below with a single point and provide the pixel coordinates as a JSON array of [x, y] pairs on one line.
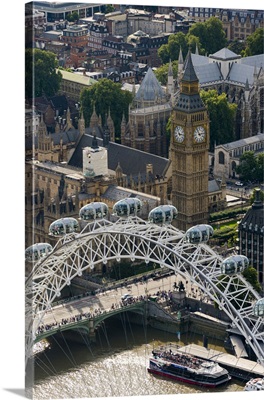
[[116, 366]]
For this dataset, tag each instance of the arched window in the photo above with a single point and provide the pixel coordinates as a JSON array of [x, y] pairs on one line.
[[221, 158], [233, 166]]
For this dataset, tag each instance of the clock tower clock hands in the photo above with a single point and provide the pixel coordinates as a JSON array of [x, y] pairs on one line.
[[199, 134], [179, 134]]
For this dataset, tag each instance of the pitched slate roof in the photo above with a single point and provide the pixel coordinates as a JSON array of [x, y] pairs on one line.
[[71, 136], [208, 73], [257, 60], [240, 73], [77, 78], [127, 156], [59, 102], [150, 88], [189, 74], [189, 103], [243, 142], [224, 54], [213, 186], [117, 193], [199, 60], [132, 161]]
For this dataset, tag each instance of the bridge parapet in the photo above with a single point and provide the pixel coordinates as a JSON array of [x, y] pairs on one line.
[[87, 322]]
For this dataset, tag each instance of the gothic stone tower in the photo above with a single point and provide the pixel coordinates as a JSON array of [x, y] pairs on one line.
[[148, 117], [189, 152]]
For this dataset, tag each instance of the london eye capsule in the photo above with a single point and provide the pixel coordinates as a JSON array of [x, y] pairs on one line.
[[234, 264], [163, 214], [64, 225], [258, 309], [37, 251], [127, 206], [92, 211], [199, 233]]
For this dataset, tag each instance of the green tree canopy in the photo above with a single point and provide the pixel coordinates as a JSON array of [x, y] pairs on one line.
[[171, 50], [40, 66], [106, 95], [109, 8], [211, 34], [164, 54], [222, 117], [237, 46], [251, 167], [254, 43], [251, 275], [162, 72], [253, 196], [72, 17]]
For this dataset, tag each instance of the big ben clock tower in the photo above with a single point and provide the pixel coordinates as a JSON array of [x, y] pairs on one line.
[[189, 152]]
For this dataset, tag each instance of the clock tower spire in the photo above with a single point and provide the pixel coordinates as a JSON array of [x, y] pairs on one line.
[[189, 152]]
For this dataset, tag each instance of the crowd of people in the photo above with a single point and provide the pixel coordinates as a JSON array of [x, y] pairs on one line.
[[162, 297]]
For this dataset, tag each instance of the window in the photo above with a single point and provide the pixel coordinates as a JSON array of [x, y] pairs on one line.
[[221, 158]]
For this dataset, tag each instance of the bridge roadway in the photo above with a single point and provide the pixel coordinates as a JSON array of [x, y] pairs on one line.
[[105, 300]]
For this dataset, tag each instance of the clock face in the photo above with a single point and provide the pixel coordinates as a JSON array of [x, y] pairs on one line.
[[199, 134], [179, 134]]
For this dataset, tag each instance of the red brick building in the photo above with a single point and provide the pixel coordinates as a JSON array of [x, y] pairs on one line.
[[75, 36]]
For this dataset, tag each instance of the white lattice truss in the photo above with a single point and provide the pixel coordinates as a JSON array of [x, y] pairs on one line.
[[133, 238]]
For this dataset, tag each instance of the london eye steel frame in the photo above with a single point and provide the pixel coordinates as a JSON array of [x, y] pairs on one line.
[[135, 239]]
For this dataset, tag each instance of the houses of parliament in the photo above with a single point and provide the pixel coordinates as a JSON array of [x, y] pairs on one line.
[[73, 164]]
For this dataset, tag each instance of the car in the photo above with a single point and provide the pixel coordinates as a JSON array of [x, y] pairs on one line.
[[238, 183]]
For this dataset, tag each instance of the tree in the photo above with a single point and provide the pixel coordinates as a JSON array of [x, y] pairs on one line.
[[40, 73], [251, 275], [193, 42], [251, 166], [171, 50], [211, 34], [237, 46], [109, 8], [222, 117], [260, 167], [106, 96], [162, 72], [164, 54], [254, 43], [253, 196], [73, 17]]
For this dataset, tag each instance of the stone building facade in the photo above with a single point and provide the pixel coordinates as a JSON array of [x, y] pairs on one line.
[[148, 117], [251, 236], [226, 156], [72, 84]]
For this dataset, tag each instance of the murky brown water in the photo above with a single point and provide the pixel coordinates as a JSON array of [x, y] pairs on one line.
[[114, 366]]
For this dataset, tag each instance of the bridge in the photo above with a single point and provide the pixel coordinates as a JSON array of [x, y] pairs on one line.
[[86, 312], [85, 322], [132, 238]]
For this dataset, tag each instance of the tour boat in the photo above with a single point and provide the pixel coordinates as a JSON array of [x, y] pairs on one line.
[[186, 368]]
